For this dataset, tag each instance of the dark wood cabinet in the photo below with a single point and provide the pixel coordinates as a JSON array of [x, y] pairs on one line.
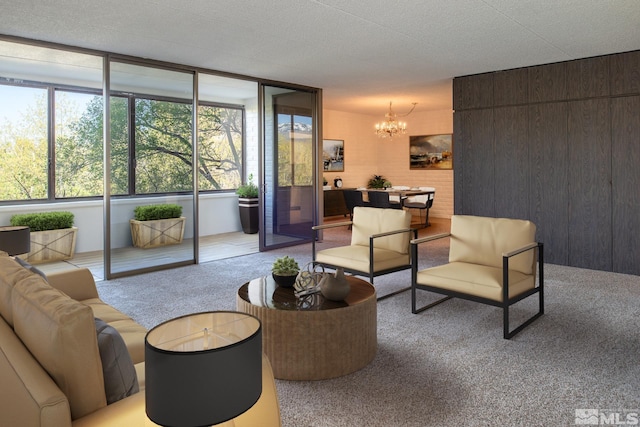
[[334, 203]]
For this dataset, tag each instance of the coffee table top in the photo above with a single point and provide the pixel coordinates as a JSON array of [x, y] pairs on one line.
[[264, 292]]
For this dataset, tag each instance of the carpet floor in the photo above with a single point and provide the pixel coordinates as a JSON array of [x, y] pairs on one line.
[[448, 366]]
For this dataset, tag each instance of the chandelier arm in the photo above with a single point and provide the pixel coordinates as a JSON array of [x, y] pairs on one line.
[[410, 111]]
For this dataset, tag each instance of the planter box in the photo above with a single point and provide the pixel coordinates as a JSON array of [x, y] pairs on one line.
[[52, 245], [159, 232]]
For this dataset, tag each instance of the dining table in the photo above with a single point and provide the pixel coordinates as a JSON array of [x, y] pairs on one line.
[[400, 193]]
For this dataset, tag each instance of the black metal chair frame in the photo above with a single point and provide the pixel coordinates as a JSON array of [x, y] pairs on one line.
[[371, 273], [506, 301], [422, 207]]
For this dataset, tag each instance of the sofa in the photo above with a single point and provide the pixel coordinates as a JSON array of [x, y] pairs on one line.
[[58, 367]]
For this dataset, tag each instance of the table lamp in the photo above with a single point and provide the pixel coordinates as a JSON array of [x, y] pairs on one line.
[[203, 368], [15, 240]]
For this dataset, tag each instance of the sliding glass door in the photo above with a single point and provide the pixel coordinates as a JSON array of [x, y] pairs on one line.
[[288, 166], [150, 152]]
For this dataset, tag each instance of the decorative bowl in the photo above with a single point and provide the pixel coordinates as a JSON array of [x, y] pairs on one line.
[[284, 281]]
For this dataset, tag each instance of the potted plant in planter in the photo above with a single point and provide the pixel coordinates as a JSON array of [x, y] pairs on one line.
[[248, 206], [53, 236], [376, 182], [157, 225], [284, 271]]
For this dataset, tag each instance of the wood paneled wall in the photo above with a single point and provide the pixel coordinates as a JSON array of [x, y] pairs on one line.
[[558, 144]]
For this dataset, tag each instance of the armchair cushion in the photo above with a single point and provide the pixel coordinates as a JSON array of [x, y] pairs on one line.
[[479, 240], [368, 221], [356, 257], [474, 279]]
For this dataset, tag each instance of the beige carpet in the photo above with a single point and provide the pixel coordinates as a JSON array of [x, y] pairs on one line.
[[448, 366]]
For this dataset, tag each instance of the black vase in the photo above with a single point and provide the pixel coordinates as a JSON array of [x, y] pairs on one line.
[[249, 214]]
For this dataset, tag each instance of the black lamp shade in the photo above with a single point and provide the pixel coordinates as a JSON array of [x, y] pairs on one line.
[[15, 240], [188, 384]]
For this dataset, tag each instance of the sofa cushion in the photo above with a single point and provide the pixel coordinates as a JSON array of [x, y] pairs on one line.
[[10, 273], [119, 374], [131, 332], [30, 267], [483, 240], [368, 221], [60, 333]]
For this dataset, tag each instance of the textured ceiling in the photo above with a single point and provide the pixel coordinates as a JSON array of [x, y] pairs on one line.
[[362, 53]]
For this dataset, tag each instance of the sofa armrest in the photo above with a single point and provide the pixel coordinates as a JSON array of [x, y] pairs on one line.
[[78, 283]]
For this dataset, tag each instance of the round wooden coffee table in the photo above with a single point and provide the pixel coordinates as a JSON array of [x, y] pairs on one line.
[[313, 338]]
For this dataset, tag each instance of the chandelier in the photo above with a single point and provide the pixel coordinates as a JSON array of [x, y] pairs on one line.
[[391, 126]]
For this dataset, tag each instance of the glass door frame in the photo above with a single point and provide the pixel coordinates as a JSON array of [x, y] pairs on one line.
[[267, 208], [107, 200]]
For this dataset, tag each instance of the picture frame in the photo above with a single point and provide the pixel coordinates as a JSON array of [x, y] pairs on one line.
[[431, 152], [333, 155]]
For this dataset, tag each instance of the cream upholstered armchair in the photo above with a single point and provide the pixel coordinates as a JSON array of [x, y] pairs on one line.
[[379, 243], [491, 261]]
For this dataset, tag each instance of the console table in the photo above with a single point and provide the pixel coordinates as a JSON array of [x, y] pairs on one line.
[[312, 338], [334, 203]]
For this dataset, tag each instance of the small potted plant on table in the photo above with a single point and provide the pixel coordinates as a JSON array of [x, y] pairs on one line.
[[284, 271]]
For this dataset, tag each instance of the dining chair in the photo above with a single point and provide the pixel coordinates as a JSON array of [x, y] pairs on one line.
[[353, 198], [380, 199], [422, 202]]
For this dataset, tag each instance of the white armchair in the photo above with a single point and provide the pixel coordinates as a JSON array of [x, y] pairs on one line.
[[379, 243]]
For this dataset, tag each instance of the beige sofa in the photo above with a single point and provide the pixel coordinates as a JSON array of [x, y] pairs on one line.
[[491, 260], [50, 362]]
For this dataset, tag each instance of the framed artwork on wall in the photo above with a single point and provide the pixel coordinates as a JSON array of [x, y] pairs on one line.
[[333, 155], [431, 152]]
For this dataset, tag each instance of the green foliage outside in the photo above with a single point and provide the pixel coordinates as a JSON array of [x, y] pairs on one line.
[[285, 266], [42, 221], [160, 211]]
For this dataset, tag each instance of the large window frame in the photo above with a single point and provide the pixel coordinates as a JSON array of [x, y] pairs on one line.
[[52, 170]]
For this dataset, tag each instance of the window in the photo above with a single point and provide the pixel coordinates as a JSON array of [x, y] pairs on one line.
[[295, 151], [23, 143], [78, 144], [220, 139], [51, 127]]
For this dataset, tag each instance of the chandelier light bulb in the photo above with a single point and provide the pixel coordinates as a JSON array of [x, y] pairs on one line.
[[391, 126]]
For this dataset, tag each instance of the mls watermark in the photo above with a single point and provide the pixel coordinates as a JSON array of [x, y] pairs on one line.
[[599, 417]]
